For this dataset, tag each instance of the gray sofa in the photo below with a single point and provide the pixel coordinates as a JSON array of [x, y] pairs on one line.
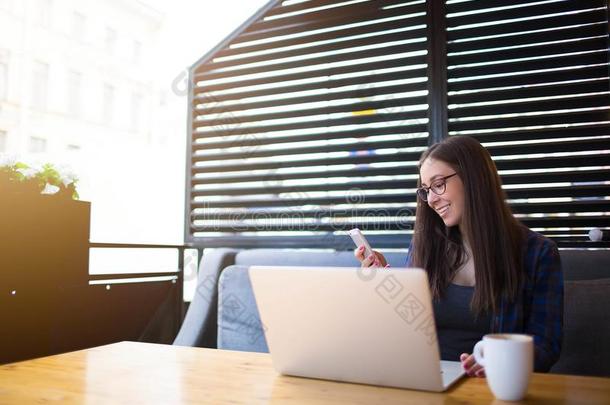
[[223, 312]]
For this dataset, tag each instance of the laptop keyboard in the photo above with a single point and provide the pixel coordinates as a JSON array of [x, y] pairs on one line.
[[450, 372]]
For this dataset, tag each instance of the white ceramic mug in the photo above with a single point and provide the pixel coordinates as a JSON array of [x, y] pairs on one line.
[[508, 360]]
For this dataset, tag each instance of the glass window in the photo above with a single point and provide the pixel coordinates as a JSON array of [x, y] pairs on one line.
[[137, 51], [3, 141], [43, 10], [37, 145], [3, 77], [74, 93], [40, 82], [108, 104], [137, 101], [79, 25], [110, 40]]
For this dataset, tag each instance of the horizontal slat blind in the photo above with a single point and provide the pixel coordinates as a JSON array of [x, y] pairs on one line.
[[308, 123], [529, 79]]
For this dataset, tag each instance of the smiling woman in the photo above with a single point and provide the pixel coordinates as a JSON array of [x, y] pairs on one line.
[[469, 214], [481, 261]]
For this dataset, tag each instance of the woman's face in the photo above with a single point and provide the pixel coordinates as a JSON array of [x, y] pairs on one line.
[[450, 204]]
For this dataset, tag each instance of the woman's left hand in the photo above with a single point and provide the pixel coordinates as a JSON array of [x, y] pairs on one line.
[[470, 366]]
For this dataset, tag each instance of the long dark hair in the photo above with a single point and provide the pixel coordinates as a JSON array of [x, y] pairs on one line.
[[495, 236]]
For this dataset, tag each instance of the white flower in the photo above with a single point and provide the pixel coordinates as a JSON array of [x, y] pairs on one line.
[[67, 179], [7, 160], [50, 189], [66, 176], [28, 173]]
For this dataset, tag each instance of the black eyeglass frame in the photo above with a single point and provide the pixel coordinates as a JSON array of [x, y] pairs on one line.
[[422, 192]]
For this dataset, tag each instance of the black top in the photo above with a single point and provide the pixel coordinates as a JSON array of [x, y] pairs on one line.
[[457, 327]]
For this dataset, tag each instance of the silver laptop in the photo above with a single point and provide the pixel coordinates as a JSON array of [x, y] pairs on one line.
[[355, 325]]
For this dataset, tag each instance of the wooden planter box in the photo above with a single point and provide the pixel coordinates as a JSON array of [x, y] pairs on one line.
[[44, 254]]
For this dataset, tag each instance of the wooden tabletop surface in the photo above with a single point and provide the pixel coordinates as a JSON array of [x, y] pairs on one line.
[[140, 373]]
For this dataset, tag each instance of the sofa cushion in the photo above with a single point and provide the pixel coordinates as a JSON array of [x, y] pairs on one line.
[[583, 264], [239, 325], [199, 325], [586, 340]]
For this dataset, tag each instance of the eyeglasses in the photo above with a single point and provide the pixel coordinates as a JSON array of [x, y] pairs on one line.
[[438, 187]]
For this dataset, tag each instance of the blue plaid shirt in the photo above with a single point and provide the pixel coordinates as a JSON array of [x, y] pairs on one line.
[[538, 310]]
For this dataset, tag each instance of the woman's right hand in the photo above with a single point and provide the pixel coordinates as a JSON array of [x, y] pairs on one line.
[[374, 260]]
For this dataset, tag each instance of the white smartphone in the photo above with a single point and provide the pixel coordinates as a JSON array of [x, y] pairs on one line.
[[360, 240]]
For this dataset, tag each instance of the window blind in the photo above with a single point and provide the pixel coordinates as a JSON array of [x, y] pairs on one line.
[[307, 123], [310, 118], [529, 80]]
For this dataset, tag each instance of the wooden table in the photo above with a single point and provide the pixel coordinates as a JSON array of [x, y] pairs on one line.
[[140, 373]]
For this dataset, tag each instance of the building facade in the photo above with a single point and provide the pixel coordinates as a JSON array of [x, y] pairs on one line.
[[75, 75]]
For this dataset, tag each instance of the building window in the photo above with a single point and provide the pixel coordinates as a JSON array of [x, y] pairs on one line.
[[110, 40], [3, 141], [108, 104], [79, 25], [40, 82], [3, 76], [137, 51], [37, 145], [137, 101], [43, 11], [74, 93]]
